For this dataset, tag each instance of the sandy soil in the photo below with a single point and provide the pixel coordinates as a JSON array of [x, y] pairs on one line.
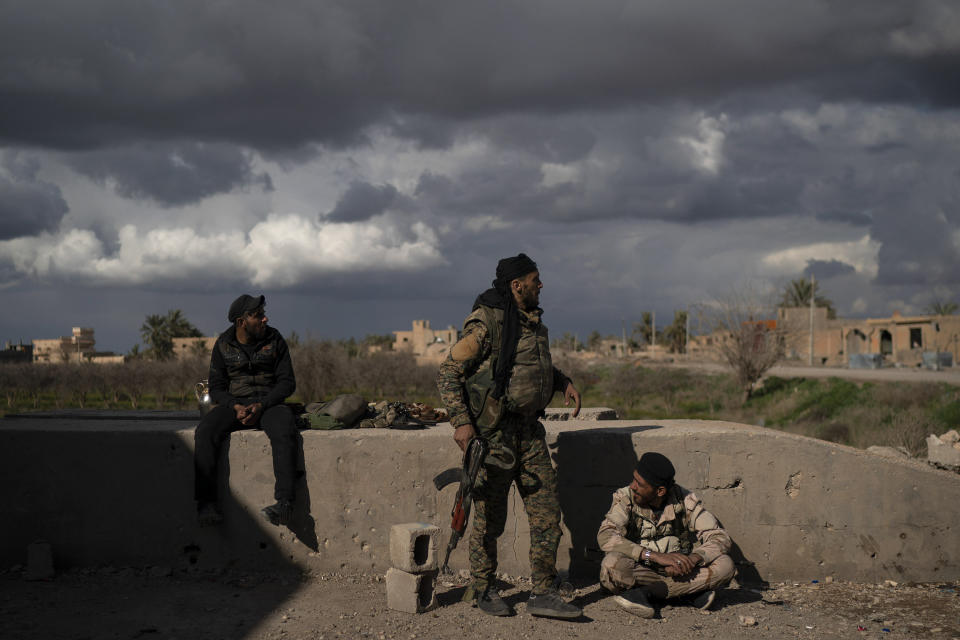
[[157, 603]]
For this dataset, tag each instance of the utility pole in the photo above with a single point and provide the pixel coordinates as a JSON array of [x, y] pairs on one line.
[[653, 328], [813, 296], [686, 337]]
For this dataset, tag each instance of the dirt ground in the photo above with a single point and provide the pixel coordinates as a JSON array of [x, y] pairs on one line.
[[157, 603]]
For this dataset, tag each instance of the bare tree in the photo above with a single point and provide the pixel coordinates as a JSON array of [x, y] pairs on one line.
[[748, 335], [12, 376]]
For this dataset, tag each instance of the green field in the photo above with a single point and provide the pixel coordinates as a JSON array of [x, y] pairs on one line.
[[858, 414]]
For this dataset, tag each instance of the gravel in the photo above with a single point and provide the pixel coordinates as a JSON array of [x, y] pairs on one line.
[[164, 604]]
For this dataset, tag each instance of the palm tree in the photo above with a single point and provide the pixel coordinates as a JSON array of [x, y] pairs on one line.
[[179, 327], [940, 308], [676, 333], [798, 293], [154, 333]]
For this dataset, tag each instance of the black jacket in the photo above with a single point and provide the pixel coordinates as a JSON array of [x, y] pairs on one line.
[[236, 378]]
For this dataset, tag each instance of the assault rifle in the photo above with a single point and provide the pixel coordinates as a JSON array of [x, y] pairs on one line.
[[473, 459]]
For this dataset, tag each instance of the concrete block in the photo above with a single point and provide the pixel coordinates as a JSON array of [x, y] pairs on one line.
[[944, 450], [411, 592], [39, 561], [414, 546]]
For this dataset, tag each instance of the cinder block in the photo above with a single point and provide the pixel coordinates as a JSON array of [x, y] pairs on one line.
[[414, 546], [411, 592], [39, 561]]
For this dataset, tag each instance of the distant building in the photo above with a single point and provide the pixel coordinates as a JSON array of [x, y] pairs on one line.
[[73, 348], [899, 339], [78, 347], [190, 347], [428, 345], [615, 347], [16, 352]]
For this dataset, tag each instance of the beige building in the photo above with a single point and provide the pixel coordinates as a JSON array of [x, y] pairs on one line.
[[428, 345], [190, 347], [78, 347], [899, 339], [614, 347], [73, 348]]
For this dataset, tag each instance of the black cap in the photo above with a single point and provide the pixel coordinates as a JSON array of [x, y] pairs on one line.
[[509, 269], [243, 305], [656, 469]]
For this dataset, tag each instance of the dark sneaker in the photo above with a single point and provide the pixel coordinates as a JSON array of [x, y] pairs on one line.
[[549, 604], [492, 604], [703, 600], [279, 513], [636, 602], [209, 515]]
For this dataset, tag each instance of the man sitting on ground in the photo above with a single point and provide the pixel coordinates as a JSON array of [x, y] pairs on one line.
[[646, 537]]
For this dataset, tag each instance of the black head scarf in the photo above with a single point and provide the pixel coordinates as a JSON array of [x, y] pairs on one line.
[[500, 297]]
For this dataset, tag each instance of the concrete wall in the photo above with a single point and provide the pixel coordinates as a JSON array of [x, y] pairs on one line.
[[120, 492]]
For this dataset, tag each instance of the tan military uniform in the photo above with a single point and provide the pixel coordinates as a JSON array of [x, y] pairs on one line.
[[628, 529]]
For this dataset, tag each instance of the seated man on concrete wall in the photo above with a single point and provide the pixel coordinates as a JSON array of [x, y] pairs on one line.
[[250, 376], [647, 539]]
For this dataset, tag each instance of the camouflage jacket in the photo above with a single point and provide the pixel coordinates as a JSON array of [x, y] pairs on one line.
[[474, 350], [628, 528]]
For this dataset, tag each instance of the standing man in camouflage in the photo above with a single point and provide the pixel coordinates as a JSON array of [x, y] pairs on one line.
[[250, 376], [646, 537], [495, 383]]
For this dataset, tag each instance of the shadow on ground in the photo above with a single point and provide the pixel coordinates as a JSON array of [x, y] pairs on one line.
[[60, 461]]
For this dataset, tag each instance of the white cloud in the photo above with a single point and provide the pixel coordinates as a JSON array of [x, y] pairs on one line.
[[861, 254], [554, 174], [282, 251], [486, 223], [707, 148]]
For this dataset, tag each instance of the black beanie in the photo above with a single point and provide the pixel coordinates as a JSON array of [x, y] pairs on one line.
[[243, 305], [656, 469], [509, 269]]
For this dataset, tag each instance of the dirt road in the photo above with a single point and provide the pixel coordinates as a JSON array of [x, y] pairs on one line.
[[156, 603], [892, 374]]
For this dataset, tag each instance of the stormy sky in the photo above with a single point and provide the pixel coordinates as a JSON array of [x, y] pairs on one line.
[[364, 163]]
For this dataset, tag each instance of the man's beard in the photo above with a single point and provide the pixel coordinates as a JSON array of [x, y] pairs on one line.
[[529, 298]]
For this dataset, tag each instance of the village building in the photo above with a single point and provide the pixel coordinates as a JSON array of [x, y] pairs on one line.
[[429, 346], [16, 352], [193, 347], [911, 341], [77, 347]]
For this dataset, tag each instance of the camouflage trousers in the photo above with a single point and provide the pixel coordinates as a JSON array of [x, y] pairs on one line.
[[518, 454], [619, 573]]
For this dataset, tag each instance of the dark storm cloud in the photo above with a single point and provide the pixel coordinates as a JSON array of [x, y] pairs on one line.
[[274, 75], [825, 269], [510, 188], [920, 250], [852, 218], [548, 139], [362, 201], [171, 175], [28, 205]]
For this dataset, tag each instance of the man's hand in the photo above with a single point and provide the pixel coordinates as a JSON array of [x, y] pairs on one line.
[[571, 393], [463, 435], [241, 412], [676, 564], [253, 414]]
